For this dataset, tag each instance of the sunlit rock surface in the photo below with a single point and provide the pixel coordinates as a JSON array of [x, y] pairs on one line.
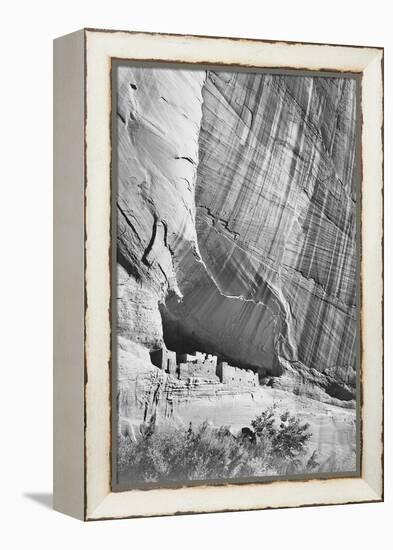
[[236, 215], [159, 115]]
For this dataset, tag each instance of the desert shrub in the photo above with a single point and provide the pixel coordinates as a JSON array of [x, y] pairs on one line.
[[312, 462], [264, 424], [287, 441], [290, 437], [124, 446], [206, 452], [192, 454]]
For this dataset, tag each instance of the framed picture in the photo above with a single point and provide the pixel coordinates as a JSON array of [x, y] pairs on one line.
[[218, 274]]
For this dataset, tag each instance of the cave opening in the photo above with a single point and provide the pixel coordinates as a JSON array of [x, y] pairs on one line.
[[181, 341]]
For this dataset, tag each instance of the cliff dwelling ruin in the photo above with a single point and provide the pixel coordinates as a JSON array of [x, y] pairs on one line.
[[202, 366]]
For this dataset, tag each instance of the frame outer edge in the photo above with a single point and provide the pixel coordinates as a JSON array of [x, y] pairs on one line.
[[68, 272], [373, 484]]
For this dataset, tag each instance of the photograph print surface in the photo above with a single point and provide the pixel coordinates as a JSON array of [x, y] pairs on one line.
[[235, 346]]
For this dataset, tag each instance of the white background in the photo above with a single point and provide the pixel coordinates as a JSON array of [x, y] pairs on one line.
[[27, 30]]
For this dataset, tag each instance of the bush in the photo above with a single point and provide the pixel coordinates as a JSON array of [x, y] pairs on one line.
[[206, 452], [288, 439]]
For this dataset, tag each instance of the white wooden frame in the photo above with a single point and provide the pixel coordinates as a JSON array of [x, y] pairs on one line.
[[82, 399]]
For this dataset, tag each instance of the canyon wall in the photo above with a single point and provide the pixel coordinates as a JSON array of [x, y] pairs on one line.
[[236, 211], [276, 224], [158, 119]]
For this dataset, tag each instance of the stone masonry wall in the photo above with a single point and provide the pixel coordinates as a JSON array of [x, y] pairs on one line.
[[235, 376], [198, 370]]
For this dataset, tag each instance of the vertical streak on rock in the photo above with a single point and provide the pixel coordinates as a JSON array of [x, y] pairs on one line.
[[237, 212], [276, 211]]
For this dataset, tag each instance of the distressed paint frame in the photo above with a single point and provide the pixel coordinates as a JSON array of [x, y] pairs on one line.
[[99, 502]]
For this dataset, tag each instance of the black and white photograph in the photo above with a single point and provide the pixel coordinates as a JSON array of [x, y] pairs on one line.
[[236, 275], [197, 282]]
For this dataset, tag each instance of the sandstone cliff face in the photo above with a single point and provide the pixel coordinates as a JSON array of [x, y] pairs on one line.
[[158, 119], [236, 226], [276, 224]]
